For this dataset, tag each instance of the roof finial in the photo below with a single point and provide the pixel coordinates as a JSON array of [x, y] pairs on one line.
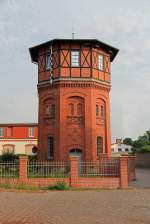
[[73, 33]]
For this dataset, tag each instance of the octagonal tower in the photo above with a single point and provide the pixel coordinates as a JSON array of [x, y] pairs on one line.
[[73, 86]]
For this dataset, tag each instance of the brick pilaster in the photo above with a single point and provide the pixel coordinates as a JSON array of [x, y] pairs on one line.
[[73, 171], [23, 162], [124, 171]]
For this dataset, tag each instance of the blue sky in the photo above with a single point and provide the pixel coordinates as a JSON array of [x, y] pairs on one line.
[[123, 24]]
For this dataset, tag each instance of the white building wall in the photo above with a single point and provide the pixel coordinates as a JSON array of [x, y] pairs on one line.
[[19, 144], [115, 148]]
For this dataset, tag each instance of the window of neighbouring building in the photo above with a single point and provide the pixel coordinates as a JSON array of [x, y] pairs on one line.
[[28, 149], [75, 58], [9, 132], [50, 147], [126, 149], [31, 131], [112, 149], [8, 148], [101, 62], [119, 150], [99, 145], [1, 132]]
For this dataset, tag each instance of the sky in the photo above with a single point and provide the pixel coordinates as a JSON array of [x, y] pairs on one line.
[[122, 24]]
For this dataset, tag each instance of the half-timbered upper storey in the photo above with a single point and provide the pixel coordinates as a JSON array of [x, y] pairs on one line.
[[62, 59]]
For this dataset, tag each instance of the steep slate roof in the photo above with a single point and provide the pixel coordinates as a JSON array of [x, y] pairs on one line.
[[109, 49]]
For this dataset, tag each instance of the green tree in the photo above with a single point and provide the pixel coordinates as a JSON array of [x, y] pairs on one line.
[[142, 144], [128, 141]]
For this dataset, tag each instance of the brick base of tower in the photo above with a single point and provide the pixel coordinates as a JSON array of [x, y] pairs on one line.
[[76, 124]]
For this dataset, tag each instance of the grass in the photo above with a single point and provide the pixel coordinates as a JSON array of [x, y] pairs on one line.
[[18, 186]]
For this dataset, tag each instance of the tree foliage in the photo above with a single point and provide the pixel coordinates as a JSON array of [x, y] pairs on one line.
[[128, 141], [141, 144]]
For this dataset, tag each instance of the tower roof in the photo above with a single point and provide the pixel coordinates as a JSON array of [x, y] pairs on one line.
[[109, 49]]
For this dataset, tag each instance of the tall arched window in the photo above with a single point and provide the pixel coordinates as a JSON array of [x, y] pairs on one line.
[[99, 145], [53, 110], [79, 109], [71, 109], [97, 110], [102, 111], [47, 110]]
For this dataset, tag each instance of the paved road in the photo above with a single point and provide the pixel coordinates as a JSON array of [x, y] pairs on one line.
[[142, 178], [76, 207]]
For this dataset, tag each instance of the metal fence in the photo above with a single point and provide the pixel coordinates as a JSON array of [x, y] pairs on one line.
[[48, 169], [9, 169], [102, 168]]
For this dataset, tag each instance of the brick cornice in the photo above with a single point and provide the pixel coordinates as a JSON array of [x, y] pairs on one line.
[[76, 83]]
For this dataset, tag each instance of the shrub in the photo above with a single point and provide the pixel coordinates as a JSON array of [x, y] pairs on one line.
[[7, 156], [144, 149], [60, 186]]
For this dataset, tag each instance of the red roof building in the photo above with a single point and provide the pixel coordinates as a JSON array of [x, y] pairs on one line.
[[20, 138]]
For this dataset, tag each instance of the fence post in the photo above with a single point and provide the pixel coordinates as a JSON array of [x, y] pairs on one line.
[[103, 156], [131, 168], [23, 163], [73, 171], [124, 171]]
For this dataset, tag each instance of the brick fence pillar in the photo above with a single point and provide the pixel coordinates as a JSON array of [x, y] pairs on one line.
[[73, 171], [131, 168], [103, 156], [124, 171], [23, 162]]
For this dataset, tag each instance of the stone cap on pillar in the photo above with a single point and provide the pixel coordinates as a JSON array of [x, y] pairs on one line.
[[74, 157], [104, 156]]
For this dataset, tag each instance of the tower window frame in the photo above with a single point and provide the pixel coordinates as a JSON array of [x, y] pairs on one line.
[[102, 111], [53, 110], [50, 144], [48, 62], [99, 145], [97, 110], [101, 62], [1, 132], [31, 132], [75, 58]]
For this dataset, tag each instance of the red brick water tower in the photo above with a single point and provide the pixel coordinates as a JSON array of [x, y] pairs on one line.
[[74, 82]]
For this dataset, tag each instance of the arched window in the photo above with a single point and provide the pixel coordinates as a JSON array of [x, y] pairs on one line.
[[53, 110], [79, 109], [99, 145], [8, 148], [102, 111], [97, 110], [71, 109]]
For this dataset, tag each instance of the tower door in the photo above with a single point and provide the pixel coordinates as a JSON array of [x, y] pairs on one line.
[[77, 153]]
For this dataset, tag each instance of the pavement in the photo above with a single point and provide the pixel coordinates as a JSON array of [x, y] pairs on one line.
[[142, 179], [130, 206], [74, 207]]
